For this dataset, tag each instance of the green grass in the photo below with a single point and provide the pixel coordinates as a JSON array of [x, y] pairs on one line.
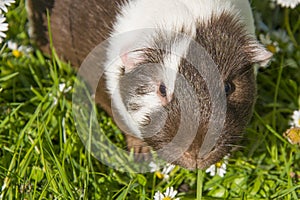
[[42, 157]]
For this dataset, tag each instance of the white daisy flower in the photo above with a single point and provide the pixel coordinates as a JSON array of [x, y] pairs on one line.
[[4, 4], [167, 170], [18, 51], [288, 3], [218, 168], [153, 167], [3, 27], [295, 119], [170, 194], [164, 173], [272, 46], [63, 89]]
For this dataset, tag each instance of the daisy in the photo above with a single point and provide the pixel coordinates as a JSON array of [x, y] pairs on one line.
[[168, 195], [3, 27], [295, 119], [63, 88], [272, 46], [153, 167], [288, 3], [218, 168], [164, 173], [18, 51], [4, 4]]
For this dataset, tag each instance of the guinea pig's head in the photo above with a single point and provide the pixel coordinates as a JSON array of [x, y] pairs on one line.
[[172, 89]]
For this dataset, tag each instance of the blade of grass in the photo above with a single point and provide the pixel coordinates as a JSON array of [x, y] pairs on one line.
[[276, 93], [200, 180], [8, 77], [19, 141], [61, 170], [288, 26]]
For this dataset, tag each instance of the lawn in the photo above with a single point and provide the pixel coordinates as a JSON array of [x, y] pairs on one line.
[[42, 156]]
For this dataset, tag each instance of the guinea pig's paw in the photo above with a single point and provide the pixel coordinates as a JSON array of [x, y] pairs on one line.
[[141, 150]]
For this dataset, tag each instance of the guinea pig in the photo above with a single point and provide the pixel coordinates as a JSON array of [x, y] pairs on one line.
[[149, 75]]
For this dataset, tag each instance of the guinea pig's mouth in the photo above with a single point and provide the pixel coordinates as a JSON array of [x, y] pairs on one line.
[[189, 161], [186, 151]]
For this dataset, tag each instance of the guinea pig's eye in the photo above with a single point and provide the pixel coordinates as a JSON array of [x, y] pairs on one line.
[[229, 88], [162, 90]]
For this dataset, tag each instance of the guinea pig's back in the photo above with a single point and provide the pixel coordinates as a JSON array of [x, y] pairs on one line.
[[76, 26]]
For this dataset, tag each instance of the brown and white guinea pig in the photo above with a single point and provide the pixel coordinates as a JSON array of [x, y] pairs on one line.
[[146, 76]]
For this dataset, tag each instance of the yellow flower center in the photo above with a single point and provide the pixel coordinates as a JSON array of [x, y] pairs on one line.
[[218, 164], [299, 122], [271, 48], [167, 198], [159, 175], [16, 53]]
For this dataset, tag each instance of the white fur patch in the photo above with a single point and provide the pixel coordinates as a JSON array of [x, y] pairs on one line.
[[148, 103], [172, 61], [123, 118], [203, 9]]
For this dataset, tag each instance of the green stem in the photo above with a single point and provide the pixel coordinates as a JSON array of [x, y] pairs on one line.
[[296, 26], [200, 178], [276, 93], [153, 185], [288, 26]]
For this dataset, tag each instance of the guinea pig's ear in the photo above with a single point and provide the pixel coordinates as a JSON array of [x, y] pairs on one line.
[[259, 54], [131, 59]]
